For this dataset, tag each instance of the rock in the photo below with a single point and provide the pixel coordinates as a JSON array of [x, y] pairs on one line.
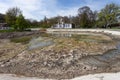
[[94, 68], [45, 63]]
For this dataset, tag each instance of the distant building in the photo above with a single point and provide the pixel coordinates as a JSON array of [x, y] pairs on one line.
[[119, 19], [4, 26], [62, 25]]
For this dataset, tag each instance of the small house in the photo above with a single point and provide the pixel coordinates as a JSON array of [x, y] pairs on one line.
[[4, 26], [62, 25]]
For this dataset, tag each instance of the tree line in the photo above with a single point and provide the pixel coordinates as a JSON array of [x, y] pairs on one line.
[[105, 18]]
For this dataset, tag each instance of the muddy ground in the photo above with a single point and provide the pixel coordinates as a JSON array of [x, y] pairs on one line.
[[8, 35], [66, 59]]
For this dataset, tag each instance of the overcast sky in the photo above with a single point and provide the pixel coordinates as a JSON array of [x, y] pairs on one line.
[[37, 9]]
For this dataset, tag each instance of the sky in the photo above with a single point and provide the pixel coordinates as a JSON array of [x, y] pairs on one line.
[[38, 9]]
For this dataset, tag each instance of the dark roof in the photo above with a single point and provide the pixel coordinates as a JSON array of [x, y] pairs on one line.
[[3, 25]]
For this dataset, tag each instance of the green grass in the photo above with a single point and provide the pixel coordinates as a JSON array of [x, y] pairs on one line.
[[115, 29], [10, 30], [90, 38], [23, 40]]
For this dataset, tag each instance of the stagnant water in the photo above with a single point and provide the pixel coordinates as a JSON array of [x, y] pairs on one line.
[[40, 42], [47, 39]]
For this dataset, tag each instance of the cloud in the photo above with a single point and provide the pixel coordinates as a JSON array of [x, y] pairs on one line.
[[29, 7], [37, 9]]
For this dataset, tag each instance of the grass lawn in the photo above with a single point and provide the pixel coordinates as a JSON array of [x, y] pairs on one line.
[[10, 30], [23, 40]]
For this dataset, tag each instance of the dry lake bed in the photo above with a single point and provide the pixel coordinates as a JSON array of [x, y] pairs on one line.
[[58, 55]]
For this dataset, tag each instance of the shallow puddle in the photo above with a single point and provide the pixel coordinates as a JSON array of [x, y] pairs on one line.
[[40, 42]]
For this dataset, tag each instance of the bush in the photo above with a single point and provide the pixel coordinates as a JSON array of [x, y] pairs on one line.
[[23, 40], [10, 30]]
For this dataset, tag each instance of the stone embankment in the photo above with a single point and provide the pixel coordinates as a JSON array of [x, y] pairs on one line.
[[112, 32]]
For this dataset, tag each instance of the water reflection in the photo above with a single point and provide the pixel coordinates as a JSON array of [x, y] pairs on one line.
[[68, 34], [62, 35], [40, 42]]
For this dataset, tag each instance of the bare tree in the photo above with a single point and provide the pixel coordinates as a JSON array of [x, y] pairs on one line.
[[86, 16]]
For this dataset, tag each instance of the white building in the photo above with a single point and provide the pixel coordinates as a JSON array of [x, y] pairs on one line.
[[65, 25], [4, 26], [62, 25]]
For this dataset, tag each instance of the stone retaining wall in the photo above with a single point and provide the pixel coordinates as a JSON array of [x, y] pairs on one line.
[[112, 32]]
